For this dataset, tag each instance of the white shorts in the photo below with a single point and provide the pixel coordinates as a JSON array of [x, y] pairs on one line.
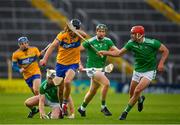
[[91, 73], [51, 104], [149, 75]]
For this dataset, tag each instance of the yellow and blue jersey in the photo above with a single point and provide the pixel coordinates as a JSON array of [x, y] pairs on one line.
[[27, 60], [69, 49]]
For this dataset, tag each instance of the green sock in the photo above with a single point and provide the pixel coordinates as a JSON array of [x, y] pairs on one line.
[[84, 105], [128, 108], [103, 102], [33, 109]]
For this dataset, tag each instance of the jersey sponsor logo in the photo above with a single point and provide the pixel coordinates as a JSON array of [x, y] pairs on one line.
[[71, 45], [136, 46], [96, 45], [27, 60]]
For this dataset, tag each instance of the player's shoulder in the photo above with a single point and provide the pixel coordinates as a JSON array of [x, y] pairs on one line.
[[62, 33], [33, 47], [107, 39], [150, 40], [16, 52], [92, 39], [130, 42]]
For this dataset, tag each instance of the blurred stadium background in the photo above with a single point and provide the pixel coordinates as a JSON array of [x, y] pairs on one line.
[[42, 20]]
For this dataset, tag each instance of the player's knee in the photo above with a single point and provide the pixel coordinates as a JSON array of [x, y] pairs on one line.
[[93, 91], [57, 81], [137, 91], [27, 103], [67, 82], [131, 93], [107, 84], [36, 92]]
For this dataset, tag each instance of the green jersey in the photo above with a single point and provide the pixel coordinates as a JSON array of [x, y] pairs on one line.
[[50, 91], [144, 53], [94, 60]]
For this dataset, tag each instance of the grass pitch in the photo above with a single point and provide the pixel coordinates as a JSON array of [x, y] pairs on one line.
[[159, 109]]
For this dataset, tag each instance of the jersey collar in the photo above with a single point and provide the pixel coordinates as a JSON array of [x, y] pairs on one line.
[[143, 39], [98, 39]]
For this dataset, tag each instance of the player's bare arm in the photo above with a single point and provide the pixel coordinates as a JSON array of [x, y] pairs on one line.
[[41, 106], [49, 52], [165, 52], [82, 48], [114, 51]]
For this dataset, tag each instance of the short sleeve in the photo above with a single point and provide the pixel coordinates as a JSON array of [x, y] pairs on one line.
[[41, 91], [157, 44], [110, 43], [37, 52], [59, 36], [14, 58], [41, 88], [85, 44], [127, 46]]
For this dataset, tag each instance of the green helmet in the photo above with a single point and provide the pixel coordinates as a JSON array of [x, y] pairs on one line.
[[101, 26]]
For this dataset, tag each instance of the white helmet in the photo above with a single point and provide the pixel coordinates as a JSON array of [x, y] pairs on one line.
[[50, 73]]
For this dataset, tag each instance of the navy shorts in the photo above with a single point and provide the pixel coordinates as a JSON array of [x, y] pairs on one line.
[[29, 81], [62, 69]]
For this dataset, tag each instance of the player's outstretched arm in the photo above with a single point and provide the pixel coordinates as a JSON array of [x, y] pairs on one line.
[[41, 106], [82, 48], [114, 51], [49, 52], [165, 53]]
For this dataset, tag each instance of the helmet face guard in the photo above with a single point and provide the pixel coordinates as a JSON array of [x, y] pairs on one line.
[[23, 43], [76, 23], [50, 73], [23, 40], [101, 27], [137, 32]]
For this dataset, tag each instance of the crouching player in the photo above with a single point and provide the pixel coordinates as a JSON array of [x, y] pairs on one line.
[[48, 97]]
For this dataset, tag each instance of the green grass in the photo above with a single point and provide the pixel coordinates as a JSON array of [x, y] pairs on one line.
[[159, 109]]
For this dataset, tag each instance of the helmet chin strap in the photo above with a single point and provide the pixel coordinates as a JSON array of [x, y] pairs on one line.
[[139, 36]]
